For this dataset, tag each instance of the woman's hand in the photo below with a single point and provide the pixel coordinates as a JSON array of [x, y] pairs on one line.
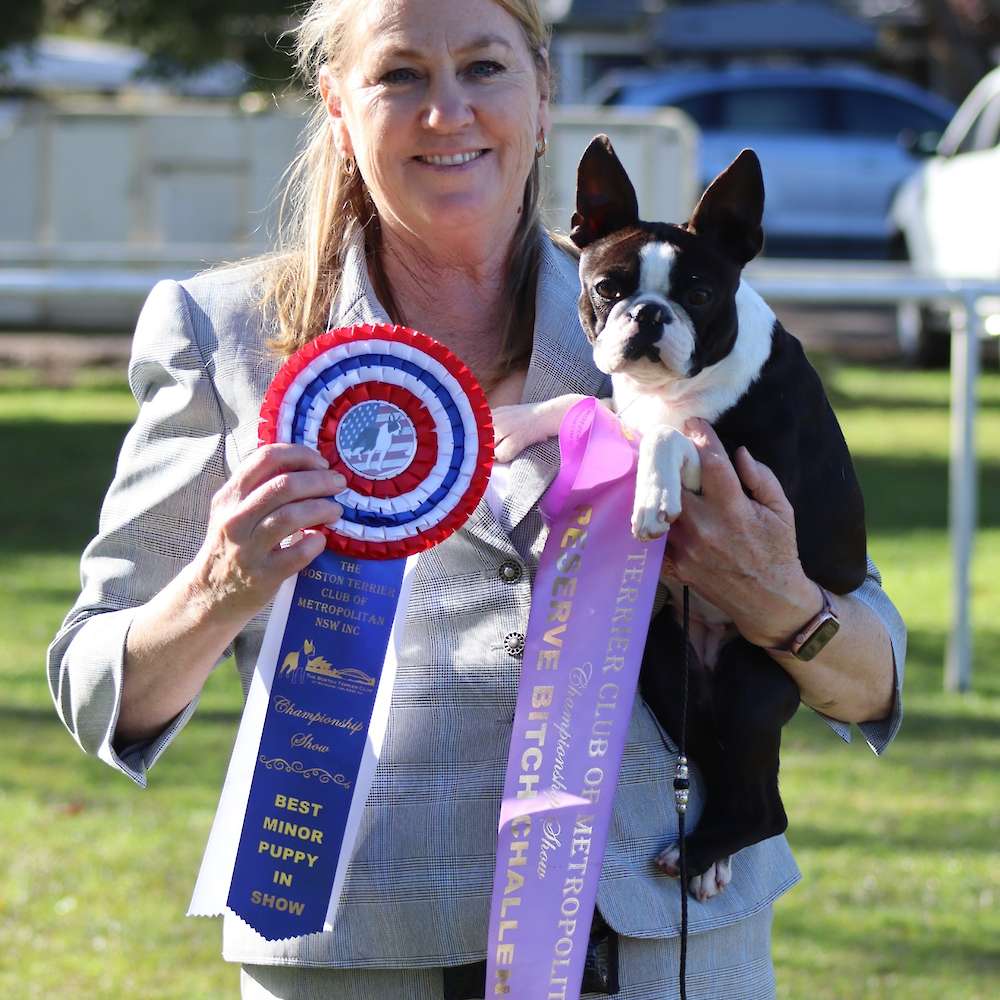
[[279, 493], [737, 551]]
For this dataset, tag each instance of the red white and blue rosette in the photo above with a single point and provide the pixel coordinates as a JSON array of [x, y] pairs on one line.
[[402, 418]]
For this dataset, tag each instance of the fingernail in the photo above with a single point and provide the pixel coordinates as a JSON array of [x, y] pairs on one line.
[[692, 424]]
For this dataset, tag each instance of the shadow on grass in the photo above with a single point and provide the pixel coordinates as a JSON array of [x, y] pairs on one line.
[[910, 494], [953, 728], [898, 388], [843, 401], [62, 472], [51, 768]]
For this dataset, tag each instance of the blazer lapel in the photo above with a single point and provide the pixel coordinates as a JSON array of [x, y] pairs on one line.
[[561, 362]]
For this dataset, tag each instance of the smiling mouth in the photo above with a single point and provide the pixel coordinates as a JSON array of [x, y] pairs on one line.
[[453, 159]]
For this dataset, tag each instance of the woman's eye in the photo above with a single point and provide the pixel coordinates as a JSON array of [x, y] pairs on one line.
[[396, 76], [609, 289], [484, 68], [698, 296]]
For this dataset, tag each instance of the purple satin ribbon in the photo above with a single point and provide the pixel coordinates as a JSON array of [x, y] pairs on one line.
[[591, 605]]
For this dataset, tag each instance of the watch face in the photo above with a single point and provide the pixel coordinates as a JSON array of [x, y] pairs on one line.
[[825, 631]]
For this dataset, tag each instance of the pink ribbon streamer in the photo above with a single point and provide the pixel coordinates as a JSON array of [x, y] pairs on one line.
[[591, 605]]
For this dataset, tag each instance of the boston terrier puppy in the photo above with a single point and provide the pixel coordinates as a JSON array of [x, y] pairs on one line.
[[682, 336]]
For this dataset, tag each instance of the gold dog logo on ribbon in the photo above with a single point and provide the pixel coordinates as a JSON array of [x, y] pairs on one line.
[[297, 664]]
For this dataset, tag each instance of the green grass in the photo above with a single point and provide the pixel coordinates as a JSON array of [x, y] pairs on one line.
[[901, 894]]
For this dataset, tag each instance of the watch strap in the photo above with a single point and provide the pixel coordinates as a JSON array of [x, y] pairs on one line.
[[815, 634]]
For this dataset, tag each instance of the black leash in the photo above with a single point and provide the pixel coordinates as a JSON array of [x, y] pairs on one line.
[[681, 789]]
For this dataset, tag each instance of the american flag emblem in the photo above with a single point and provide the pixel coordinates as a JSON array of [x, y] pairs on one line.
[[376, 440]]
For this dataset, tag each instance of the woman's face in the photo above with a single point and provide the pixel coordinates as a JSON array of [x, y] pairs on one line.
[[441, 106]]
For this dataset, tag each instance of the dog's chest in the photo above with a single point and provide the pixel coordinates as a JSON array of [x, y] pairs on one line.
[[709, 629], [640, 407]]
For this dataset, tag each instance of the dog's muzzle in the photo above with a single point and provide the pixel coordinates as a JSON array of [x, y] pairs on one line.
[[649, 318]]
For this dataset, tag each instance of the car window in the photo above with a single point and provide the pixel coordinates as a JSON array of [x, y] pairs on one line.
[[703, 108], [863, 113], [775, 109]]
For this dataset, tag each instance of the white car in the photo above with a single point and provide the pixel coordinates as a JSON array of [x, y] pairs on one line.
[[947, 216]]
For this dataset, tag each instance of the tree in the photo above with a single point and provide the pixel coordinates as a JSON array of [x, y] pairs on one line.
[[964, 35], [178, 35], [21, 23]]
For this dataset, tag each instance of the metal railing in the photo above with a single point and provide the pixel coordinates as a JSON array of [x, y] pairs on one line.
[[801, 282], [836, 283]]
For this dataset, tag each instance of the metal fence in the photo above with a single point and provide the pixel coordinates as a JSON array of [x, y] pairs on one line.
[[835, 283], [813, 283]]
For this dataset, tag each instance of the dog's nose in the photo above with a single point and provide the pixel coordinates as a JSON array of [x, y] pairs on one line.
[[651, 314]]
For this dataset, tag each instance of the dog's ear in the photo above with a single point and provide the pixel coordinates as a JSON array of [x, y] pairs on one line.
[[731, 210], [605, 198]]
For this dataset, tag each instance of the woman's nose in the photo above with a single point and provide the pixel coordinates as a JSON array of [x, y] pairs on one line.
[[448, 107]]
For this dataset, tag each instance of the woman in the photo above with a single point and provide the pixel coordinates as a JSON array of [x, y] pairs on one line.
[[416, 200]]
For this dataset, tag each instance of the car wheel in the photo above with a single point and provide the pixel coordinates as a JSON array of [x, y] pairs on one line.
[[923, 333]]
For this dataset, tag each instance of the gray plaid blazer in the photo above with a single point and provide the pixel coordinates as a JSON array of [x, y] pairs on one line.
[[418, 890]]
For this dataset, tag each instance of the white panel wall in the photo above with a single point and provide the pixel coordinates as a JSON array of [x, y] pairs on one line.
[[658, 149], [20, 180], [166, 192], [92, 175]]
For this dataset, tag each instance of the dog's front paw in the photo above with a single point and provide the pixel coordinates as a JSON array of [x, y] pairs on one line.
[[668, 461], [705, 886], [653, 512]]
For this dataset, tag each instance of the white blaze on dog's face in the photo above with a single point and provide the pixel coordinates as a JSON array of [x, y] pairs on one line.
[[645, 331], [642, 330]]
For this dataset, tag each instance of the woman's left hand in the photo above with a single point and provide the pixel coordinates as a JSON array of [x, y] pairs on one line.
[[739, 551]]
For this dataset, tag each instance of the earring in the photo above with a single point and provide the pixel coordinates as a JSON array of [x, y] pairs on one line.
[[349, 166], [540, 146]]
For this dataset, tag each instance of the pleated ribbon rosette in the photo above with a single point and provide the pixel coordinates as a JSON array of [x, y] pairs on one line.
[[352, 390]]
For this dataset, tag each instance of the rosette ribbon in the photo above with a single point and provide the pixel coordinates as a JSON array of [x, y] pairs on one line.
[[409, 427], [591, 604]]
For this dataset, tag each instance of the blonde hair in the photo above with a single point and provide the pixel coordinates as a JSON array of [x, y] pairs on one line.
[[324, 206]]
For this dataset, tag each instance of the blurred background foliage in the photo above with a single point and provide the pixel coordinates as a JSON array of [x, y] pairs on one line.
[[178, 36], [184, 35]]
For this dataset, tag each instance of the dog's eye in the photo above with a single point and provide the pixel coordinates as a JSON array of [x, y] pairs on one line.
[[608, 288], [699, 296]]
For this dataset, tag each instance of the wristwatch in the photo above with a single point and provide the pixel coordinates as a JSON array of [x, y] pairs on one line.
[[815, 634]]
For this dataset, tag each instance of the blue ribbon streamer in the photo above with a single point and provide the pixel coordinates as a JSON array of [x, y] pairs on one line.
[[321, 700]]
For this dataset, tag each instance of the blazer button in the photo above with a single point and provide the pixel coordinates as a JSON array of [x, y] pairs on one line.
[[513, 642], [511, 572]]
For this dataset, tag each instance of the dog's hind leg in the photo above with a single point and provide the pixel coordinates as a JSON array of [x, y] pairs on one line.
[[752, 698], [661, 684]]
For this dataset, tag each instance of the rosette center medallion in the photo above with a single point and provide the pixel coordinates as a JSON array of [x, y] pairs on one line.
[[376, 440]]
